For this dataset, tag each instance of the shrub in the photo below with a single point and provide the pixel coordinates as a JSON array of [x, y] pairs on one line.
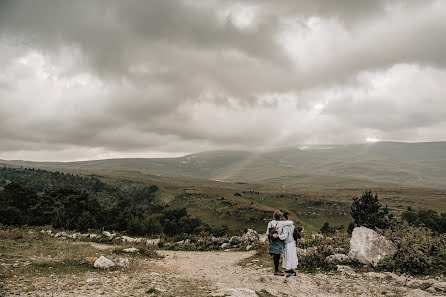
[[367, 211], [420, 251], [427, 218]]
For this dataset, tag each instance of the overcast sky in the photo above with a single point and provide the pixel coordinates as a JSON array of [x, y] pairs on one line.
[[104, 79]]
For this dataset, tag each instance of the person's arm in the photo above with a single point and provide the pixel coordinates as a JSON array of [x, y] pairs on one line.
[[285, 233]]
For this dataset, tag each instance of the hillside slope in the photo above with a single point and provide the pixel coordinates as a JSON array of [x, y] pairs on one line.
[[360, 165]]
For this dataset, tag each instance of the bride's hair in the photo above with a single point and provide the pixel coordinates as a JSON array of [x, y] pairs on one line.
[[286, 214], [277, 215]]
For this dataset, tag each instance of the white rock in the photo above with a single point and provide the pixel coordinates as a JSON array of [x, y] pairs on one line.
[[155, 241], [263, 237], [75, 236], [250, 236], [235, 240], [368, 247], [131, 250], [61, 234], [249, 247], [103, 263], [106, 233], [225, 245]]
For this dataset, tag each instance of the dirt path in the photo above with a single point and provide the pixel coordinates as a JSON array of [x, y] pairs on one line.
[[202, 274], [227, 278]]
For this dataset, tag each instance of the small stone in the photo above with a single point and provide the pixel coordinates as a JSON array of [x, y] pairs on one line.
[[103, 263], [131, 250], [235, 240], [225, 245]]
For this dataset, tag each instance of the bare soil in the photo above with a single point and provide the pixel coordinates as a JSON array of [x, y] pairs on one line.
[[182, 273]]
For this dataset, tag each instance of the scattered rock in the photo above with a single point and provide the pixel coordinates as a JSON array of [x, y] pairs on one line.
[[75, 235], [235, 240], [337, 258], [368, 247], [103, 263], [250, 236], [106, 233], [155, 241], [225, 245], [47, 232], [249, 247], [61, 234], [263, 237], [131, 250]]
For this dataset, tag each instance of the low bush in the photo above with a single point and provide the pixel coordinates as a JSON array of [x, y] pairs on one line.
[[420, 250]]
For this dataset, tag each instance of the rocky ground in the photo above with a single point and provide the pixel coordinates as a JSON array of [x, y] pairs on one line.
[[181, 273]]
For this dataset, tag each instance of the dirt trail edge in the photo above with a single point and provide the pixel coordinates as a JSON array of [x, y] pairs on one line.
[[203, 274], [227, 278]]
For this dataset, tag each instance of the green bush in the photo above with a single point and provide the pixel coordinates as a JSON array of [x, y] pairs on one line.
[[426, 218], [420, 251]]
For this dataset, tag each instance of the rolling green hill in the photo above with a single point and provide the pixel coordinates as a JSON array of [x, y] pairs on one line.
[[340, 166]]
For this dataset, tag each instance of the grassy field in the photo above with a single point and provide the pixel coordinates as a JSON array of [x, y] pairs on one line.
[[249, 205], [240, 205]]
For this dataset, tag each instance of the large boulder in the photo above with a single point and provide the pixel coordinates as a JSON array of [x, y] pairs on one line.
[[368, 247], [250, 236], [103, 263]]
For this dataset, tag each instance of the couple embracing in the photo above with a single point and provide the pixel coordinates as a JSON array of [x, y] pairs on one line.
[[281, 235]]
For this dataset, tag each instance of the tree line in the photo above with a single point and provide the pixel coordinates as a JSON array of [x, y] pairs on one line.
[[73, 202]]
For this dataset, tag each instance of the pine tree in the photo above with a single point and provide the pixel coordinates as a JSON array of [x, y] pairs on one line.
[[367, 211]]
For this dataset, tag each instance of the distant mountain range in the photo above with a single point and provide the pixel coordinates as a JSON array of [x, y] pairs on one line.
[[332, 166]]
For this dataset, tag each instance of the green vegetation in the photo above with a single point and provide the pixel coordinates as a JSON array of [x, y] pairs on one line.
[[420, 250], [91, 205], [426, 218], [368, 212]]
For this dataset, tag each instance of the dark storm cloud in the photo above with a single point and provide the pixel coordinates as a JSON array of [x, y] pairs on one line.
[[113, 78]]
